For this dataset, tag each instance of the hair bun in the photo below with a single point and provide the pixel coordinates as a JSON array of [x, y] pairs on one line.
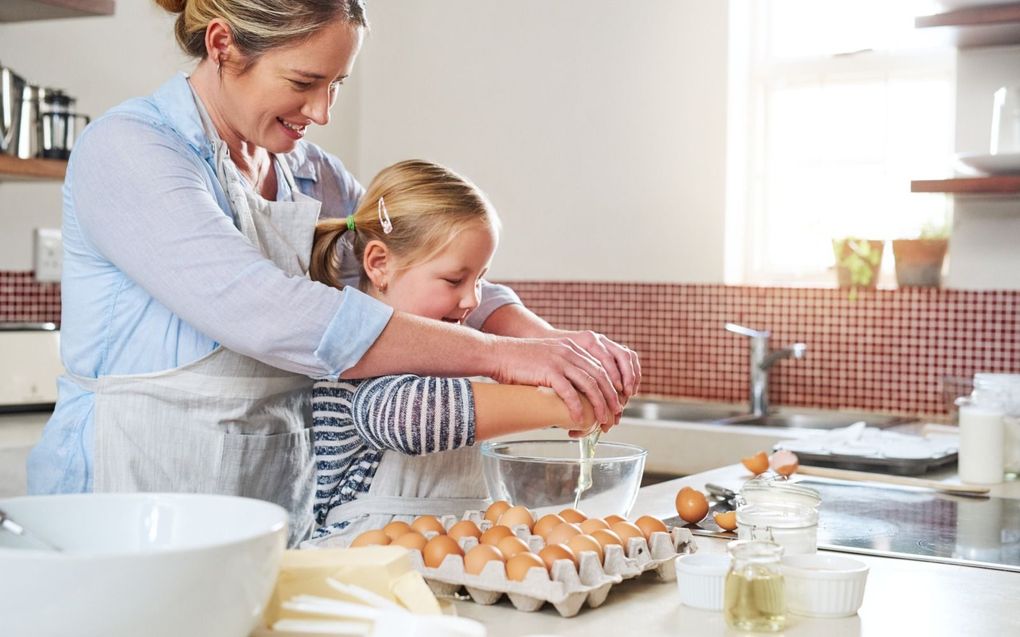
[[173, 6]]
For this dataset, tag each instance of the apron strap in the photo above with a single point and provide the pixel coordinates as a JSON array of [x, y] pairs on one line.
[[86, 383], [399, 505]]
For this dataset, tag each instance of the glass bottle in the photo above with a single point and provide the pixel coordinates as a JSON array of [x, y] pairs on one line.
[[755, 597]]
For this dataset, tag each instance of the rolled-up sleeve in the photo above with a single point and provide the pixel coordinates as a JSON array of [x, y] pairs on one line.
[[492, 297]]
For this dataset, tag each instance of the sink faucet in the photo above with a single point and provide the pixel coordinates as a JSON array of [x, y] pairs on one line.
[[761, 361]]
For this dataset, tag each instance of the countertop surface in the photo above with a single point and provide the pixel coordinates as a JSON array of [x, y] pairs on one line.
[[902, 596]]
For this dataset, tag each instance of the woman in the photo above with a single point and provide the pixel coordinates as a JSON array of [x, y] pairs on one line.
[[190, 329]]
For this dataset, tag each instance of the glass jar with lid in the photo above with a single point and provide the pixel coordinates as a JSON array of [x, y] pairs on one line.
[[779, 511], [754, 597]]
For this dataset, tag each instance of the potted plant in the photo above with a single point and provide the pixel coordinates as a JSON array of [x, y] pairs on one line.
[[857, 262], [919, 261]]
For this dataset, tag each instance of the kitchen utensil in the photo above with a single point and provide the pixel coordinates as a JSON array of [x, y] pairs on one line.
[[11, 87], [543, 475], [59, 125], [159, 565], [700, 578], [7, 524], [823, 585], [943, 487]]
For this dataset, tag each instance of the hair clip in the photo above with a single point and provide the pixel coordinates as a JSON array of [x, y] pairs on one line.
[[384, 217]]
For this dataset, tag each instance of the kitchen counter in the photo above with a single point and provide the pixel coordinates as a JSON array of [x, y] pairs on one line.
[[902, 596]]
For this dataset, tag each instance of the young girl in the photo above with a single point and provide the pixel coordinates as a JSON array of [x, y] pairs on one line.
[[423, 238]]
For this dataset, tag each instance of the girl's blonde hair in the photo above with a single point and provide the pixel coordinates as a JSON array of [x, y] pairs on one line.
[[259, 25], [427, 205]]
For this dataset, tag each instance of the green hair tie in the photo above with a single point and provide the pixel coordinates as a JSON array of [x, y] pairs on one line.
[[350, 222]]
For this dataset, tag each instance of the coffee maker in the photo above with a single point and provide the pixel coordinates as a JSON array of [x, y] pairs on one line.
[[36, 121]]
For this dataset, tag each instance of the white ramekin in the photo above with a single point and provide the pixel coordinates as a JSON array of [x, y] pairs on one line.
[[700, 578], [823, 585]]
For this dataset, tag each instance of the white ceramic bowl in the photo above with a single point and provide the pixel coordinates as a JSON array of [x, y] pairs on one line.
[[701, 579], [824, 585], [139, 564]]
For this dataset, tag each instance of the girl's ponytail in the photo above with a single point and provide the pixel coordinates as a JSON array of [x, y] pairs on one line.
[[325, 263]]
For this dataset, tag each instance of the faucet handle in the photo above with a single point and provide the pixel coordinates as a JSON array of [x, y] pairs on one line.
[[746, 331]]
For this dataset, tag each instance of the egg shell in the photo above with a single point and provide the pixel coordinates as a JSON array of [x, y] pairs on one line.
[[626, 530], [573, 515], [438, 548], [691, 505], [649, 525], [784, 462], [552, 552], [464, 528], [478, 556], [547, 523], [592, 524], [495, 510], [756, 464], [494, 534], [428, 523], [396, 528], [562, 533], [580, 543], [510, 546], [412, 540], [515, 516], [375, 537], [517, 567], [606, 537], [613, 519], [726, 521]]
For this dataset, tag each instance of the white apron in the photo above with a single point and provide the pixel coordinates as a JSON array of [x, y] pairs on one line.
[[225, 423]]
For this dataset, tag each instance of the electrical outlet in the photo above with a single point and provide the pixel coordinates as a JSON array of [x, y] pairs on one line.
[[47, 254]]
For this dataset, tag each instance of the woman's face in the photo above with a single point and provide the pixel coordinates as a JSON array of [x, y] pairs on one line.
[[286, 89], [446, 286]]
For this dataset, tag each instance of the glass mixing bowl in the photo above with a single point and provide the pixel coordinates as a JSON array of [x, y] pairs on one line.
[[543, 475]]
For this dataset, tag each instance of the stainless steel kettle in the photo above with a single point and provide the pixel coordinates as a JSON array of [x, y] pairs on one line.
[[12, 87]]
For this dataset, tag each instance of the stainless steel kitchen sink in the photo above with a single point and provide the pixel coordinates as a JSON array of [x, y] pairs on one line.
[[656, 409]]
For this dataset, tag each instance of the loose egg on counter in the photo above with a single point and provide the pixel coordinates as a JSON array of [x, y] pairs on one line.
[[480, 555], [649, 525], [592, 524], [464, 528], [515, 516], [756, 464], [691, 505], [606, 537], [494, 534], [438, 548], [495, 510], [726, 521], [518, 566], [613, 519], [396, 528], [581, 543], [412, 540], [626, 530], [561, 533], [375, 537], [573, 515], [552, 552], [428, 523], [547, 523], [510, 546]]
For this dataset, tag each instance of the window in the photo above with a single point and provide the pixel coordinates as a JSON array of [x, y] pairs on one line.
[[835, 106]]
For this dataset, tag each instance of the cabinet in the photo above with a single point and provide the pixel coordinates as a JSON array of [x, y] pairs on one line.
[[13, 168]]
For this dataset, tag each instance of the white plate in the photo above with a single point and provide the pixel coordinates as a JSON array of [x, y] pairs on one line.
[[1001, 164]]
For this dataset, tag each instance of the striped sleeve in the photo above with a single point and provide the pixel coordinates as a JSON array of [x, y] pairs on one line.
[[415, 415]]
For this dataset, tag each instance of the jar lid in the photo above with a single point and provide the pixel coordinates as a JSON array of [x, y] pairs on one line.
[[761, 490]]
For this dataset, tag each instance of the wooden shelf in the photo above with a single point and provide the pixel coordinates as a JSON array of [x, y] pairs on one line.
[[24, 10], [993, 185], [15, 169], [983, 25]]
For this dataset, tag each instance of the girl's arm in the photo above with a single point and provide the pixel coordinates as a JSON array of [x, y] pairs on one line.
[[507, 409]]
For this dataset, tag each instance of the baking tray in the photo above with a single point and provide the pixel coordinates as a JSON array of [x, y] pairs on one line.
[[877, 464]]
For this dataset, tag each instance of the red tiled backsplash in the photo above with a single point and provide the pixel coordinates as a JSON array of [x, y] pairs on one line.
[[888, 350]]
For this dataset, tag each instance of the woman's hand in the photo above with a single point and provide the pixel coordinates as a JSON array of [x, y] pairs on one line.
[[620, 362]]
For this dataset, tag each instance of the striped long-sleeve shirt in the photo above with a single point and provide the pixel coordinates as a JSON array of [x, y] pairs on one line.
[[355, 422]]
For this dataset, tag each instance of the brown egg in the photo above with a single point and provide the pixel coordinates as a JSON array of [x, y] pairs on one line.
[[626, 530], [396, 528], [480, 555], [547, 523], [561, 533], [606, 537], [438, 548], [495, 510], [375, 537], [649, 525], [494, 534], [573, 515], [756, 464], [515, 516], [581, 543], [552, 552], [691, 505], [464, 528], [591, 524], [727, 521], [510, 546], [518, 566], [412, 540], [428, 523], [613, 519]]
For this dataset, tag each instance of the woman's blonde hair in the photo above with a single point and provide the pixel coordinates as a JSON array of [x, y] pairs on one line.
[[426, 204], [259, 25]]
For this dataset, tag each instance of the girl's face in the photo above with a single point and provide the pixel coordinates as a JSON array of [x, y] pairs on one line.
[[286, 89], [446, 286]]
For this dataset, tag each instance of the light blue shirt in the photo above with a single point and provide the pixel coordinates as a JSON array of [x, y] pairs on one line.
[[156, 275]]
